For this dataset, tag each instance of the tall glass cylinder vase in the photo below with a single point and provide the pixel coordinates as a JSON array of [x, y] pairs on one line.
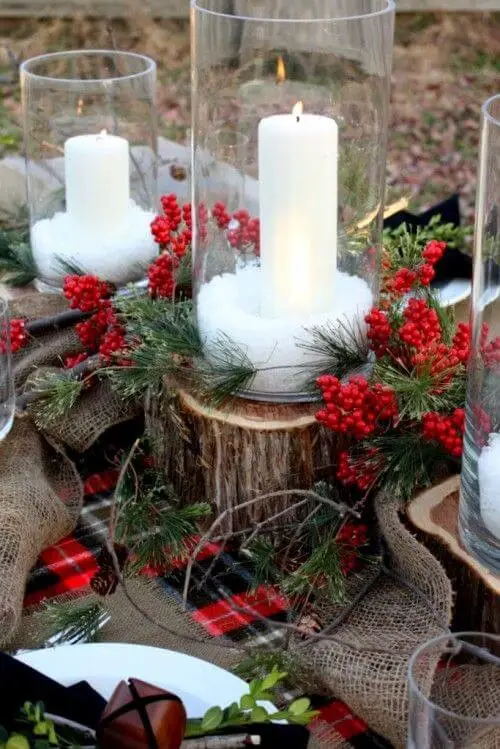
[[91, 159], [480, 485], [290, 117]]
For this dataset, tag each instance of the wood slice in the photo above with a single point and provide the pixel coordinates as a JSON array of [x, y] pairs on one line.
[[435, 514], [234, 453]]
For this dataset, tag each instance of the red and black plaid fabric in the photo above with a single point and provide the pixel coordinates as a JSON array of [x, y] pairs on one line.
[[219, 598]]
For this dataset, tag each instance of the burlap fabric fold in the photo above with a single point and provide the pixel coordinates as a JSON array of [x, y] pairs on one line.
[[40, 490], [365, 663]]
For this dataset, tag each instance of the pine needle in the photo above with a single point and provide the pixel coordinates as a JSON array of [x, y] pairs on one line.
[[411, 462], [58, 394], [421, 392], [68, 267], [343, 349], [322, 570], [228, 371], [73, 621], [16, 258]]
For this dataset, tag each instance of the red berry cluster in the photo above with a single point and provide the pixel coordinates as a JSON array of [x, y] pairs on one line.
[[482, 424], [434, 251], [490, 351], [356, 408], [379, 331], [17, 334], [160, 229], [402, 282], [221, 216], [246, 234], [161, 275], [422, 324], [362, 471], [168, 230], [172, 211], [349, 539], [405, 279], [85, 293], [462, 343], [112, 343], [446, 430], [91, 331]]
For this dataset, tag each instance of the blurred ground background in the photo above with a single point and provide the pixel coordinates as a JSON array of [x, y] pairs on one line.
[[445, 67]]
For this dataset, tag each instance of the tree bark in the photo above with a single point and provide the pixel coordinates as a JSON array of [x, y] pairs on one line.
[[230, 454], [477, 591]]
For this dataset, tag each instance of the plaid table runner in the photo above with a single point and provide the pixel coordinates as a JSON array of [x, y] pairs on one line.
[[70, 565]]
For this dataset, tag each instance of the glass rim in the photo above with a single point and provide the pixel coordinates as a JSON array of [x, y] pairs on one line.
[[390, 6], [150, 65], [433, 705], [486, 110]]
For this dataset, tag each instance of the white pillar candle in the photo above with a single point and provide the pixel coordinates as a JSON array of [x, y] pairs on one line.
[[97, 175], [298, 166]]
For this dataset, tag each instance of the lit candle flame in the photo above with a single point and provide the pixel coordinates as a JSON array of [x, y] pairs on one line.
[[298, 110], [280, 71], [79, 107], [103, 132]]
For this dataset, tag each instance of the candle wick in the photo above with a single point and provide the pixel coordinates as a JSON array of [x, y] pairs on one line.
[[298, 118]]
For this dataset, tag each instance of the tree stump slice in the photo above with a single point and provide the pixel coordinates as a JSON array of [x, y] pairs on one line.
[[234, 453], [434, 514]]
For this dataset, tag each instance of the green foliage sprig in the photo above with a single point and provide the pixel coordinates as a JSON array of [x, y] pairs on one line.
[[16, 257], [250, 710]]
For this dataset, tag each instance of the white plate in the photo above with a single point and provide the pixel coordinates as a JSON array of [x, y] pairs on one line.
[[452, 292], [199, 684]]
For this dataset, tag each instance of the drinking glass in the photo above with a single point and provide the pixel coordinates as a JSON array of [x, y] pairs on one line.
[[454, 693], [7, 398]]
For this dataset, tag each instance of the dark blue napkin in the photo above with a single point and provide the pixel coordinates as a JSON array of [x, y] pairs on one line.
[[21, 683]]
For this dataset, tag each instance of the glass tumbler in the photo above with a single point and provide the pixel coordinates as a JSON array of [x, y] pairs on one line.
[[454, 693]]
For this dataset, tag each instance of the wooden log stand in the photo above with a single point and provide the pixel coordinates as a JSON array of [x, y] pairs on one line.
[[477, 591], [241, 450]]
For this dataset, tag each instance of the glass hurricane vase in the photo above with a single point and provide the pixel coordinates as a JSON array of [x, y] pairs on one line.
[[480, 484], [290, 112], [91, 162]]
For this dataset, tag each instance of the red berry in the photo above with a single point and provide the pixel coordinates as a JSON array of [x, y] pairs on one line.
[[17, 335], [161, 278], [72, 361], [86, 293]]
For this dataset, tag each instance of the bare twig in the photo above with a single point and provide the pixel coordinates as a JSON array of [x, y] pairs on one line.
[[308, 495], [56, 322]]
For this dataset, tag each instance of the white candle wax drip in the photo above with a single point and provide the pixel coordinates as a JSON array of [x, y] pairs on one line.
[[231, 305], [102, 230], [298, 156], [489, 484]]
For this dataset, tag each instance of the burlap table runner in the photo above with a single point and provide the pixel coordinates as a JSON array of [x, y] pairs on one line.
[[40, 490]]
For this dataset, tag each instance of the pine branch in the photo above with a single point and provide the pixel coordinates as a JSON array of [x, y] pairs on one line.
[[54, 394], [57, 396], [16, 258], [322, 570], [343, 349], [410, 462], [68, 267], [226, 372], [73, 622], [150, 521], [421, 392]]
